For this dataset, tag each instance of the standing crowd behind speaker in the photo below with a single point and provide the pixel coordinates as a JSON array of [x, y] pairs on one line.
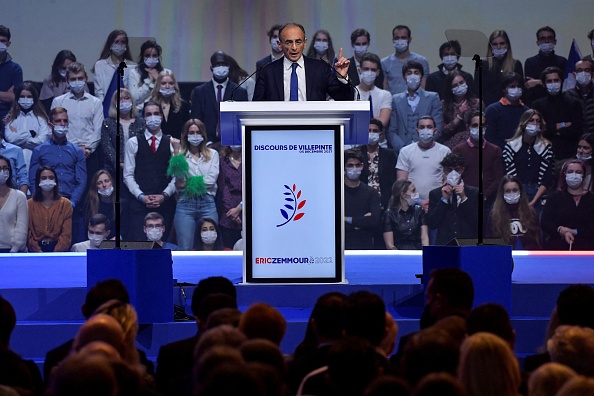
[[414, 183]]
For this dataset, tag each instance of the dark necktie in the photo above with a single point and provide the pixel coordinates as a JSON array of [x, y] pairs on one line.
[[154, 144], [370, 106], [219, 99], [294, 96], [454, 200]]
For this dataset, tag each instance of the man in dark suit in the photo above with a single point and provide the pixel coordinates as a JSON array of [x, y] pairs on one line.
[[206, 97], [276, 52], [453, 207], [311, 79]]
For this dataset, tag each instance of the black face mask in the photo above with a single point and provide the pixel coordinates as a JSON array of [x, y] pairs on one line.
[[426, 319]]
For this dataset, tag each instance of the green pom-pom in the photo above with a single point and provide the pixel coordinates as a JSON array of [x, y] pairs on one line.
[[195, 186], [178, 166]]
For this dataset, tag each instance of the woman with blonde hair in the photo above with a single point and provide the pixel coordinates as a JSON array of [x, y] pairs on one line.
[[548, 379], [176, 111], [196, 169], [488, 366], [101, 198]]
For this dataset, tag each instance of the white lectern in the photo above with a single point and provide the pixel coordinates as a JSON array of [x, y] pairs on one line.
[[293, 185]]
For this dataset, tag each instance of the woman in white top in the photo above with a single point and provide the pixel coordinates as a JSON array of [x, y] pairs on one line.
[[55, 84], [14, 216], [114, 52], [196, 169], [26, 122], [141, 80]]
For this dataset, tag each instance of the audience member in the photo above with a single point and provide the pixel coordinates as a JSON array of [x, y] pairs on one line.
[[491, 318], [26, 123], [546, 39], [505, 114], [98, 231], [512, 218], [584, 153], [584, 92], [56, 83], [196, 169], [439, 384], [578, 386], [229, 187], [14, 215], [261, 320], [321, 47], [566, 218], [275, 49], [387, 385], [101, 199], [404, 220], [500, 62], [449, 53], [240, 77], [548, 379], [175, 111], [453, 207], [11, 74], [380, 101], [573, 346], [393, 65], [142, 77], [360, 40], [410, 106], [155, 228], [14, 155], [361, 205], [211, 238]]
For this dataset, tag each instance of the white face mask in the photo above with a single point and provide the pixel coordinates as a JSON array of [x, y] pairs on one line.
[[499, 53], [360, 50], [460, 90], [574, 180], [368, 77], [235, 148], [195, 139], [453, 178], [274, 45], [4, 175], [26, 103], [426, 135], [151, 62], [512, 198], [167, 92], [106, 192], [449, 61], [95, 239], [474, 133], [546, 47], [154, 234], [584, 157], [321, 47], [413, 81], [353, 173], [220, 72], [413, 199], [532, 129], [125, 107], [208, 237], [514, 93], [400, 45], [553, 88], [373, 138], [153, 122], [3, 48], [47, 185], [60, 130], [63, 73], [118, 49], [77, 86], [583, 78]]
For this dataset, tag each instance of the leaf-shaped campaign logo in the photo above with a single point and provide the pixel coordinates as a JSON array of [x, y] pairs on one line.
[[291, 210]]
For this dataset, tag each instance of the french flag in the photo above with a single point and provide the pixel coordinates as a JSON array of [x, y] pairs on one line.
[[574, 55]]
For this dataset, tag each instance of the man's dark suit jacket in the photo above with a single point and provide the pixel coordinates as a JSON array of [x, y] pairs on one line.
[[204, 105], [354, 74], [174, 365], [386, 169], [320, 80], [451, 223]]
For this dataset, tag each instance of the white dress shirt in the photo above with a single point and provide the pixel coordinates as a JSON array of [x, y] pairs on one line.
[[208, 169], [85, 118], [287, 70]]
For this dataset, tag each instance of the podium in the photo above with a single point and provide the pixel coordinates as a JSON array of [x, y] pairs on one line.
[[293, 211], [147, 274]]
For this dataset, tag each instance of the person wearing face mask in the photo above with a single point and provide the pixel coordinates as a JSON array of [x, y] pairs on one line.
[[590, 58], [11, 74], [146, 161], [458, 103], [206, 97], [505, 114], [499, 62], [546, 40], [154, 230], [230, 194], [567, 216], [14, 216], [176, 111], [584, 92], [420, 162], [115, 51], [196, 169], [393, 64], [404, 220], [361, 205], [50, 214], [409, 106], [143, 76], [26, 128], [275, 51], [321, 47], [101, 199], [449, 53], [529, 155], [360, 40], [453, 207], [512, 218], [378, 163], [381, 100], [98, 231], [131, 124], [562, 115], [56, 84], [210, 236], [584, 153]]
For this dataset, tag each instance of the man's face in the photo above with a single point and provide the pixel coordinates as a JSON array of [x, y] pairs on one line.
[[449, 51], [375, 129], [99, 229], [292, 41], [59, 119], [546, 37], [425, 124], [219, 60], [80, 76], [369, 66], [474, 122], [583, 66], [151, 111], [400, 34], [353, 164], [153, 224], [552, 78], [361, 40], [4, 40]]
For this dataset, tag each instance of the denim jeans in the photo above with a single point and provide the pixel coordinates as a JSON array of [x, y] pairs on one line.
[[188, 213]]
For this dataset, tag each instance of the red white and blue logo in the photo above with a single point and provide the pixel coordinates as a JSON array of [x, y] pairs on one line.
[[291, 210]]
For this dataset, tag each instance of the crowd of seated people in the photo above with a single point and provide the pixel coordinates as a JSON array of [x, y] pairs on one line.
[[534, 128], [348, 348]]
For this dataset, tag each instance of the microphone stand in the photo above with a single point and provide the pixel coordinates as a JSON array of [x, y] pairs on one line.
[[481, 199], [120, 71]]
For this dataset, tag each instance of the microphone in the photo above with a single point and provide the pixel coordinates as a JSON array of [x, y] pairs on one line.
[[250, 76], [343, 77]]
